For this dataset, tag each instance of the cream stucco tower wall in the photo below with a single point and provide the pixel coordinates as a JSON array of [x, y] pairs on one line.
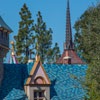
[[4, 44]]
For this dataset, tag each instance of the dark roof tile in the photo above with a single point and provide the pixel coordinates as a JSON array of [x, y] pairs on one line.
[[63, 85], [4, 25]]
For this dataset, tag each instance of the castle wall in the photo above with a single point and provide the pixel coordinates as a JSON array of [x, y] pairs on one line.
[[4, 39], [3, 53], [1, 69], [4, 43]]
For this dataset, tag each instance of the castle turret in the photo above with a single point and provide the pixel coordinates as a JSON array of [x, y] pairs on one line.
[[4, 43]]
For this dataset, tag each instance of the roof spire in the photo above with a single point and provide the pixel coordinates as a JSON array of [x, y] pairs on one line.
[[68, 42], [69, 55]]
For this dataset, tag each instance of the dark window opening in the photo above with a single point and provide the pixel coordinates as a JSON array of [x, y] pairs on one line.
[[39, 95]]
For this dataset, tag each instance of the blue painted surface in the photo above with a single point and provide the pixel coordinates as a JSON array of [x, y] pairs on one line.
[[4, 25], [63, 85]]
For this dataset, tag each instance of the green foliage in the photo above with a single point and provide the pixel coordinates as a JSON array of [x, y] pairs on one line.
[[53, 54], [24, 37], [44, 38], [87, 41], [26, 41]]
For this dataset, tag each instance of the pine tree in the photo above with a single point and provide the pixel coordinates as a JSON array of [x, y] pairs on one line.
[[53, 54], [43, 36], [24, 38]]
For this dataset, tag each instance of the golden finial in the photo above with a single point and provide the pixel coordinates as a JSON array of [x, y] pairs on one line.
[[12, 42], [12, 48]]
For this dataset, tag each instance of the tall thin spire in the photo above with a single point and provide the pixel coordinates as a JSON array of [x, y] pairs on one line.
[[69, 55], [68, 42]]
